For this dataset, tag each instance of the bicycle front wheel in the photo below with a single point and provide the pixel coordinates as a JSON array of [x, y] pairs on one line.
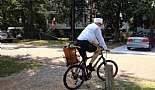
[[72, 78], [101, 69]]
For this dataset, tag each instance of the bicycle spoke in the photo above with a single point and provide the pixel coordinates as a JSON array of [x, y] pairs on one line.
[[101, 69], [72, 78]]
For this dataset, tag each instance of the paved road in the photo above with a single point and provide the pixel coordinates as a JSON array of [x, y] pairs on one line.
[[134, 65], [123, 49]]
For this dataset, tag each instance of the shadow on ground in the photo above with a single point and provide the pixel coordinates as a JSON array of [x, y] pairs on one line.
[[50, 75], [45, 60]]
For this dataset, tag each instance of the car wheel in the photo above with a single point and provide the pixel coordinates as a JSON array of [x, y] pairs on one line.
[[10, 41], [149, 49], [129, 48]]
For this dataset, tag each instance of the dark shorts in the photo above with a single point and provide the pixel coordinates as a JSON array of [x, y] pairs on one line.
[[85, 46]]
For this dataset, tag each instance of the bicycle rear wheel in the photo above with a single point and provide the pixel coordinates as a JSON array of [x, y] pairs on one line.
[[101, 69], [72, 78]]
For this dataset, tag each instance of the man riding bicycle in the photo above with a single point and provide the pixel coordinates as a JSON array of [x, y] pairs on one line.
[[91, 40]]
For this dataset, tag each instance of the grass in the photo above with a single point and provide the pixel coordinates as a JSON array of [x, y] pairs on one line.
[[10, 65], [135, 84], [61, 42], [44, 42], [34, 42]]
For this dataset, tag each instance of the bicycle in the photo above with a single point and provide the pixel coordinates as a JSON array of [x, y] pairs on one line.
[[80, 73]]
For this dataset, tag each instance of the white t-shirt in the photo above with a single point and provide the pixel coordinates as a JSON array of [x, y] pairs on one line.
[[93, 34]]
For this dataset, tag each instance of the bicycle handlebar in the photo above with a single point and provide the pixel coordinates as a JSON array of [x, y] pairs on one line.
[[108, 50]]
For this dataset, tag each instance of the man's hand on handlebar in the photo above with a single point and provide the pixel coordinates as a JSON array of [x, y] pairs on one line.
[[101, 48], [107, 50]]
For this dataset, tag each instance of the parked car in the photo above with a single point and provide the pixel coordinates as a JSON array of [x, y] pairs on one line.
[[12, 33], [2, 35], [140, 40], [17, 32], [5, 37]]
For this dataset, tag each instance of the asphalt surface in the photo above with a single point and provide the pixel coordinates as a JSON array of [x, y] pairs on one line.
[[123, 49]]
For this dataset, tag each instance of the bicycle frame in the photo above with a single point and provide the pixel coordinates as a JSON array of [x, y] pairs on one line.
[[84, 62], [101, 57], [84, 66]]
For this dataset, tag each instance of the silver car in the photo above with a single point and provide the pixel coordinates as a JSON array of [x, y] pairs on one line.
[[3, 36], [140, 40]]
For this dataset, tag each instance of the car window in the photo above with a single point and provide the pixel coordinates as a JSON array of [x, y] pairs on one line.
[[140, 34]]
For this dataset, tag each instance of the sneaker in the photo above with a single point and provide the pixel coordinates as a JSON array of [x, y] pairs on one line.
[[90, 67]]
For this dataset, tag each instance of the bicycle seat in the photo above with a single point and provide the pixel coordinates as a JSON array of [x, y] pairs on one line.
[[73, 45]]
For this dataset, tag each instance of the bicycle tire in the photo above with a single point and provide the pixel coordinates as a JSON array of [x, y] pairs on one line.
[[102, 75], [71, 68]]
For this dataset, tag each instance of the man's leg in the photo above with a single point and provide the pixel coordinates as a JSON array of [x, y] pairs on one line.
[[82, 53], [95, 55], [96, 50], [82, 49]]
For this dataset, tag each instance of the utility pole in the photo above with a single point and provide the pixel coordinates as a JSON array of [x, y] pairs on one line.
[[29, 19], [92, 10], [3, 15], [72, 20]]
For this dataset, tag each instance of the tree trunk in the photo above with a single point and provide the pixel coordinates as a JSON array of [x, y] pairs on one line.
[[116, 21]]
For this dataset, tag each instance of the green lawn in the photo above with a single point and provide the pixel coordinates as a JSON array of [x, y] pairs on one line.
[[132, 83], [44, 42], [10, 65], [61, 42]]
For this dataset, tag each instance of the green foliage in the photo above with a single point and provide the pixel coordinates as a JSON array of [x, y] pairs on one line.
[[34, 13], [135, 9], [60, 9], [129, 8], [14, 10]]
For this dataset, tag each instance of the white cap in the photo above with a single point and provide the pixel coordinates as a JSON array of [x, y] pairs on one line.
[[98, 20]]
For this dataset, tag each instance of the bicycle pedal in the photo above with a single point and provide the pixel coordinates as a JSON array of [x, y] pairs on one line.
[[83, 78], [89, 67], [89, 76]]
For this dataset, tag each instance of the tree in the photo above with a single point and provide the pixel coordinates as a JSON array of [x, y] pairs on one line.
[[110, 11], [60, 9], [12, 11]]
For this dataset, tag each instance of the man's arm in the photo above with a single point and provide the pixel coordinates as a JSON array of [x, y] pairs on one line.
[[100, 39]]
